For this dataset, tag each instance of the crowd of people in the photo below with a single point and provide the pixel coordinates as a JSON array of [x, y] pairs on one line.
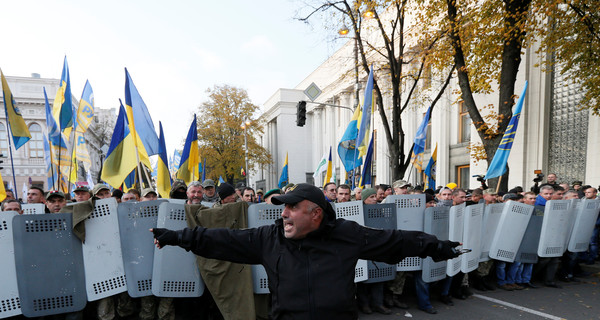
[[373, 297]]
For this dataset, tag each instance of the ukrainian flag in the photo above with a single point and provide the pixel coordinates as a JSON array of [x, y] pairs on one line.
[[190, 159], [85, 111], [329, 169], [120, 159], [430, 170], [420, 138], [284, 178], [2, 190], [141, 117], [364, 131], [347, 146], [163, 178], [366, 172], [498, 165], [18, 128], [139, 146], [63, 101]]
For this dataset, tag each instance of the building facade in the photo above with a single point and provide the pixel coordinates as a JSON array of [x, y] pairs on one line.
[[553, 134]]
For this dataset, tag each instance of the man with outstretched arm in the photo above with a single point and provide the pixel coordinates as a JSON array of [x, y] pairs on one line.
[[308, 254]]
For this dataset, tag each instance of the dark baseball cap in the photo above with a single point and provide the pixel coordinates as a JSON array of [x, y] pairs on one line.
[[304, 191]]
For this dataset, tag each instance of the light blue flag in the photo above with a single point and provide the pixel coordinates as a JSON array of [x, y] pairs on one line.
[[284, 177], [141, 117], [204, 171], [50, 174], [498, 165], [347, 150], [420, 138], [176, 160], [221, 180]]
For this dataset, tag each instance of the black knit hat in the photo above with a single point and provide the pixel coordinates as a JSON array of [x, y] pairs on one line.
[[225, 190]]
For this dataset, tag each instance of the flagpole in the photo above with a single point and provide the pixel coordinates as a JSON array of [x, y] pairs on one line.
[[72, 154], [498, 185], [12, 165]]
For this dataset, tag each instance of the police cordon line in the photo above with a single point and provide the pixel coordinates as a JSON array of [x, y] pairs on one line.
[[48, 269]]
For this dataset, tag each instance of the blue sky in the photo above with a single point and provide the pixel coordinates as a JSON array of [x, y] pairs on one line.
[[174, 50]]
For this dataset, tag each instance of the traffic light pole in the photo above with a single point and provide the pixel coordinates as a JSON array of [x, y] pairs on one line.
[[331, 105], [301, 110]]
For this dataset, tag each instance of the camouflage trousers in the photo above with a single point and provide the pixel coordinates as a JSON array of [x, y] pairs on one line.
[[124, 306], [157, 308], [396, 286], [484, 268]]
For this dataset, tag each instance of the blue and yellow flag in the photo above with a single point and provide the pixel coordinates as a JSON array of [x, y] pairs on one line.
[[329, 172], [430, 170], [83, 119], [498, 165], [188, 166], [347, 150], [163, 178], [420, 138], [50, 172], [365, 178], [220, 181], [284, 177], [62, 109], [120, 158], [18, 128], [2, 190], [141, 117], [364, 127], [139, 146]]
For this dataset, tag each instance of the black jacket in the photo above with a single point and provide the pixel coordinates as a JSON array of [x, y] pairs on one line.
[[312, 278]]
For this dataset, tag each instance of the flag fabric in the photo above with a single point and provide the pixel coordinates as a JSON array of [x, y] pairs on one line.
[[176, 160], [284, 177], [430, 170], [85, 111], [242, 171], [163, 178], [347, 147], [3, 190], [420, 138], [204, 170], [365, 178], [120, 158], [321, 167], [50, 174], [18, 128], [59, 154], [141, 117], [221, 180], [364, 131], [139, 146], [329, 169], [190, 157], [131, 179], [498, 165], [81, 150], [62, 109]]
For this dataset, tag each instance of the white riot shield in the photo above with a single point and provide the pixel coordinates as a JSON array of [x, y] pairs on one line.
[[435, 223], [456, 227], [472, 237], [353, 211], [585, 220], [33, 208], [527, 252], [510, 231], [555, 228], [174, 270], [177, 201], [9, 291], [491, 218], [135, 219], [102, 257], [380, 216], [410, 209], [262, 214]]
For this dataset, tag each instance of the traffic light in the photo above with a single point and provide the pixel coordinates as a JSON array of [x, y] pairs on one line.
[[301, 113], [1, 160]]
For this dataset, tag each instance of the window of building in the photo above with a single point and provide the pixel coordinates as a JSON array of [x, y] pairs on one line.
[[462, 176], [3, 139], [464, 124], [36, 144]]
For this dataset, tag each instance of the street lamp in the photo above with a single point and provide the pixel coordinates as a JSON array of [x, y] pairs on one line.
[[244, 126]]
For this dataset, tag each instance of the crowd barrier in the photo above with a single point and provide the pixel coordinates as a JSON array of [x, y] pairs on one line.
[[47, 270]]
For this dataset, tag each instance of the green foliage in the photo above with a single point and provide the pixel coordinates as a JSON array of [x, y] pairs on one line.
[[221, 136]]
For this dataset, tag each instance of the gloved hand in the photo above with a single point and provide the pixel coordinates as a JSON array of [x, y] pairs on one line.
[[165, 237], [446, 250]]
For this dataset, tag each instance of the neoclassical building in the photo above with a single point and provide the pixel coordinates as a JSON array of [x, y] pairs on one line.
[[553, 134], [29, 164]]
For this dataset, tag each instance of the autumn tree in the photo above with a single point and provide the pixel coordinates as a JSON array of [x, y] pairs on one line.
[[385, 38], [221, 137]]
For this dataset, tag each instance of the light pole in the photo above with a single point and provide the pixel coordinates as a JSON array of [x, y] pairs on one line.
[[244, 126]]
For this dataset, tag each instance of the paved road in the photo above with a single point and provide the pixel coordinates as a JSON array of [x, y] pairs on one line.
[[574, 301]]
